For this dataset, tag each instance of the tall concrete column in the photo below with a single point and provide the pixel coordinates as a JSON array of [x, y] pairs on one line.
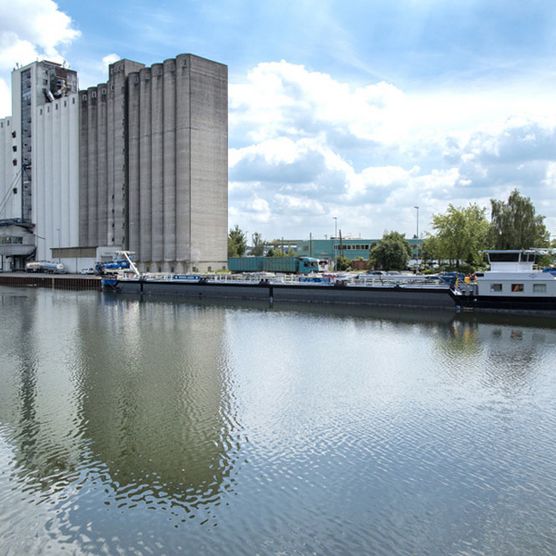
[[110, 209], [169, 153], [120, 193], [134, 215], [83, 168], [145, 166], [39, 180], [157, 191], [183, 164], [209, 168], [74, 171], [48, 210], [102, 191], [64, 172], [92, 168]]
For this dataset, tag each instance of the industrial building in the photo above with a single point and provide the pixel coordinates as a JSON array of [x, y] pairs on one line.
[[39, 165], [136, 163], [334, 247]]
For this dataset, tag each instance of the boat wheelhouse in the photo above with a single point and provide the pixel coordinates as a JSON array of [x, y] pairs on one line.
[[512, 273], [512, 284]]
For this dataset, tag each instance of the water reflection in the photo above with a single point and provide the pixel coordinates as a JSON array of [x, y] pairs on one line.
[[169, 426], [155, 402], [137, 411]]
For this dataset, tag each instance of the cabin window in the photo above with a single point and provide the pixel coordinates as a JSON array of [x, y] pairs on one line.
[[517, 287], [539, 288], [504, 257], [496, 287]]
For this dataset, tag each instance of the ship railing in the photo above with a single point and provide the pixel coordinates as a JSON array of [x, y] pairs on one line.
[[385, 280]]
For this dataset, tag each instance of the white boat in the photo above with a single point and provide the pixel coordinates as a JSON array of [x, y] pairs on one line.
[[512, 284]]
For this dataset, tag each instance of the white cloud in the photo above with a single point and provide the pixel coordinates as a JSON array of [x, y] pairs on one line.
[[37, 24], [31, 29], [109, 59], [281, 98], [317, 147], [5, 99]]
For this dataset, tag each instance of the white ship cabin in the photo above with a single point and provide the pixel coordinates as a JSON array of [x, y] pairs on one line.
[[511, 274]]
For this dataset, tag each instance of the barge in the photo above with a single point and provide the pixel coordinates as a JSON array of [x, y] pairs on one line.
[[510, 286]]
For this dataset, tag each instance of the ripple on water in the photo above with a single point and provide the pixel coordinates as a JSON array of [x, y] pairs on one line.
[[167, 427]]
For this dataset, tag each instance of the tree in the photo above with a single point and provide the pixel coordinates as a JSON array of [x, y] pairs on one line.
[[461, 234], [430, 250], [515, 225], [258, 244], [237, 242], [278, 249], [343, 263], [392, 252]]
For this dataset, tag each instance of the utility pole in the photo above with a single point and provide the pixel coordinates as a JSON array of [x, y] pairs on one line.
[[417, 237], [341, 250]]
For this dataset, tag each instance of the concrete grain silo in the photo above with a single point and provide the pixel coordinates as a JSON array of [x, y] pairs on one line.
[[155, 148]]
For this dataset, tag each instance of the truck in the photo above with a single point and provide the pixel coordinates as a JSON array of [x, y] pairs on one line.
[[111, 267], [45, 266], [291, 265]]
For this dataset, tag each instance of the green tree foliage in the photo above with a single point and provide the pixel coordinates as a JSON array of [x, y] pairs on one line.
[[430, 250], [278, 249], [392, 252], [258, 245], [515, 224], [277, 252], [343, 263], [237, 242], [461, 234]]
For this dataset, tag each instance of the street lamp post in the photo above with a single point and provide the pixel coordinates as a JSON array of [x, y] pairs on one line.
[[335, 255]]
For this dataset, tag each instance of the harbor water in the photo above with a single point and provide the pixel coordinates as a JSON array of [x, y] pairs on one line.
[[165, 426]]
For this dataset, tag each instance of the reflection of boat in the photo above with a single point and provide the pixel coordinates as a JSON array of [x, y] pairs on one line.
[[511, 285]]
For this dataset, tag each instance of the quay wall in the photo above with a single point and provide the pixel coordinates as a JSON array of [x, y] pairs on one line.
[[55, 281]]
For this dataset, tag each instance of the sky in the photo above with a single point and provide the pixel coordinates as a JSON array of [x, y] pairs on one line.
[[347, 113]]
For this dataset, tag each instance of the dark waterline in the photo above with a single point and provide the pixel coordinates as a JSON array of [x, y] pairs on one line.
[[153, 427]]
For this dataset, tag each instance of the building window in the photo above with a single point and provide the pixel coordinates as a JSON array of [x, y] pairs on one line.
[[539, 288], [517, 287], [496, 287]]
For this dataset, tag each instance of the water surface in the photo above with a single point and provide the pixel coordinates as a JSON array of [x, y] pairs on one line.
[[159, 427]]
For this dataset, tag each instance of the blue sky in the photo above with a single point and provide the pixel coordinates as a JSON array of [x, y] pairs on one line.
[[356, 109]]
